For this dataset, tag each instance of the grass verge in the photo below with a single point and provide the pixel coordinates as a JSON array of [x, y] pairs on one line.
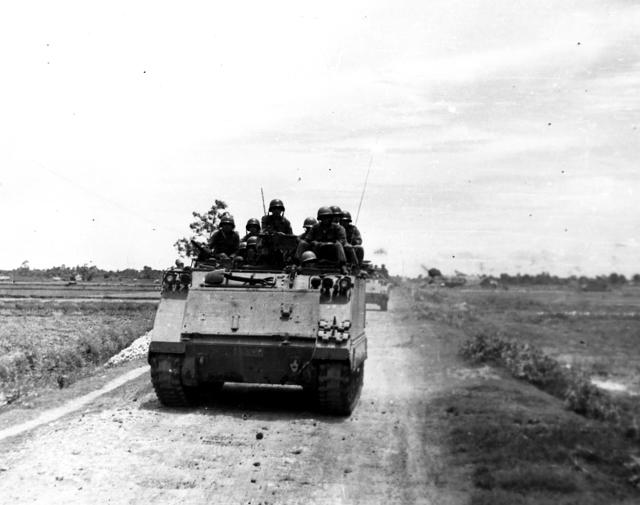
[[521, 444], [521, 449], [54, 343]]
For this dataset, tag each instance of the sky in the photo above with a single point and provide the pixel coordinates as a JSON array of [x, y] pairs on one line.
[[493, 136]]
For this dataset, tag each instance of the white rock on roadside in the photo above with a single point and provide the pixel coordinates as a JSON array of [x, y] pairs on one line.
[[138, 349]]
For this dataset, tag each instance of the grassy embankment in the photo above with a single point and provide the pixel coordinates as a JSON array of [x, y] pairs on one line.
[[554, 437], [53, 343]]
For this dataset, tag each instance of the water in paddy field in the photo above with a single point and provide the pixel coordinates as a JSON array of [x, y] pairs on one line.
[[614, 387]]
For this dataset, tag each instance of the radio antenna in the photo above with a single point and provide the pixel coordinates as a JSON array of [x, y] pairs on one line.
[[364, 187], [264, 208]]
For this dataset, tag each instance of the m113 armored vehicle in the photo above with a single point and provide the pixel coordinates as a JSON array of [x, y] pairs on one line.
[[273, 323], [378, 287]]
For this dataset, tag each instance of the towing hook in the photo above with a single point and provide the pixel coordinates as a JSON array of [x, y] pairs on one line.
[[285, 311]]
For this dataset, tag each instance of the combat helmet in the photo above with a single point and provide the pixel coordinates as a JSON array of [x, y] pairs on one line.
[[337, 211], [253, 222], [227, 219], [310, 221], [276, 204], [346, 216], [324, 212], [307, 257]]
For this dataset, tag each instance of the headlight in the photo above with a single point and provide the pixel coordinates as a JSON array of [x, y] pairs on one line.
[[345, 283], [327, 283]]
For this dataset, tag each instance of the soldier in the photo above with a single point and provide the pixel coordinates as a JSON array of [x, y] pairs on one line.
[[225, 241], [354, 248], [252, 228], [326, 239], [252, 251], [307, 225], [275, 221], [241, 255]]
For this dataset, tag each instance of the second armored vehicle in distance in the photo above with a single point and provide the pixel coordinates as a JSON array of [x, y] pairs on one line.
[[378, 287]]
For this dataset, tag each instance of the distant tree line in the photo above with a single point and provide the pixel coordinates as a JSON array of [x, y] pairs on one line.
[[545, 278], [80, 272]]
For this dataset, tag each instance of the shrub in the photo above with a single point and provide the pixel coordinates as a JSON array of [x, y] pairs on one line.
[[528, 363]]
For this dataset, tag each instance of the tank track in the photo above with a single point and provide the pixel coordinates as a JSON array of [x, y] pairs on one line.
[[165, 377], [338, 387]]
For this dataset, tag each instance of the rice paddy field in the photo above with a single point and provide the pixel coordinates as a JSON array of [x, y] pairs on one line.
[[594, 332], [51, 342]]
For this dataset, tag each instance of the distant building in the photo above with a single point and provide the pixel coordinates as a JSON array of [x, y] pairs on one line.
[[5, 278]]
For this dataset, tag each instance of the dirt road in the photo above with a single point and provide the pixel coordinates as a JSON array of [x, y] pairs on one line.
[[257, 445]]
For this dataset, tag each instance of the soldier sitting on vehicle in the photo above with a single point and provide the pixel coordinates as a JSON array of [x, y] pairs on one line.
[[307, 225], [251, 254], [354, 248], [275, 240], [241, 254], [275, 220], [225, 241], [252, 228], [326, 239], [248, 253]]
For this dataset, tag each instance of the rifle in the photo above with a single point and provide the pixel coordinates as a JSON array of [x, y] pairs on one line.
[[252, 281]]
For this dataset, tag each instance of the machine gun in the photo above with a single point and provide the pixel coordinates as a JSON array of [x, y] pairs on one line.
[[276, 240], [202, 249], [277, 248]]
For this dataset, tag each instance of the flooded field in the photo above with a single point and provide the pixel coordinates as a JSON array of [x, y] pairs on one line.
[[598, 333]]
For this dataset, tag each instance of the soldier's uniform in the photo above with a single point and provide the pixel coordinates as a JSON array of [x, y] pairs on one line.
[[354, 242], [353, 249], [272, 223], [331, 233], [275, 221], [247, 236], [224, 244], [309, 223], [353, 234], [327, 240]]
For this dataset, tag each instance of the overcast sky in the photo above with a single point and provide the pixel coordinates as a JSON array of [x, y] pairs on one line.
[[501, 135]]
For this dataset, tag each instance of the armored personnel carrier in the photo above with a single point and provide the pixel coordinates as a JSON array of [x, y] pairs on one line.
[[273, 323], [378, 288]]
